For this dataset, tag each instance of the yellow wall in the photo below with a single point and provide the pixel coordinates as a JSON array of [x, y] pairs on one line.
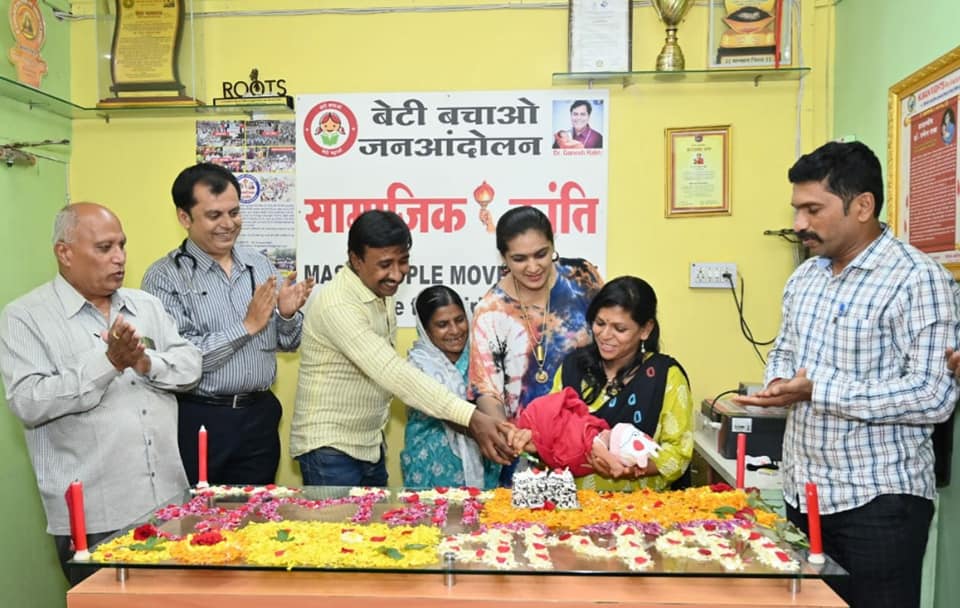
[[130, 163]]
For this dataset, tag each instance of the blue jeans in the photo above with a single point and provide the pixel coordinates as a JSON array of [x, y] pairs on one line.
[[331, 467]]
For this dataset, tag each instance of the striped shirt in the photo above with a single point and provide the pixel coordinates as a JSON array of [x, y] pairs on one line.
[[209, 308], [872, 339], [349, 371], [116, 432]]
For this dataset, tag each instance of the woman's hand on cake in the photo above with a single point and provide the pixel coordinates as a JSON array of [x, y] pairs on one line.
[[520, 440]]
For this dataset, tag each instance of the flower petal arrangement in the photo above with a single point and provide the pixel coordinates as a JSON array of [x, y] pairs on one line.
[[374, 528]]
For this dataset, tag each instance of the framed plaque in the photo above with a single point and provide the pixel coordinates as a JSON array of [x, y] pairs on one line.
[[600, 35], [698, 171], [749, 33], [29, 33], [144, 52], [922, 156]]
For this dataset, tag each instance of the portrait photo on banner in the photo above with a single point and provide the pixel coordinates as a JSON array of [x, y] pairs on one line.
[[578, 124]]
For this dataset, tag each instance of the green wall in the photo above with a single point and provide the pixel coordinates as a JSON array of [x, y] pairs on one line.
[[29, 196], [879, 42]]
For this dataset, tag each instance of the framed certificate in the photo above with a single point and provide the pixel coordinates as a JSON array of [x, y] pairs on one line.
[[698, 171], [922, 156], [146, 42], [146, 53], [600, 35]]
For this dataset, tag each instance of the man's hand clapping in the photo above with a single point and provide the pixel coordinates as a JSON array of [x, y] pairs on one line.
[[293, 295], [124, 348], [953, 361], [781, 392], [261, 307]]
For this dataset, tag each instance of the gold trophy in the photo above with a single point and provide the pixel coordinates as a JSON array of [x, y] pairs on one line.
[[671, 12]]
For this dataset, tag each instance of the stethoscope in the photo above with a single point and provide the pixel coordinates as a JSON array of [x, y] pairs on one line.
[[183, 253]]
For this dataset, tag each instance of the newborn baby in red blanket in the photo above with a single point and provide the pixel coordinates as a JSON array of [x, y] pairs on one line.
[[560, 429]]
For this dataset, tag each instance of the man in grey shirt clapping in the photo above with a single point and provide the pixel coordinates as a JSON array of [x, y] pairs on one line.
[[88, 365]]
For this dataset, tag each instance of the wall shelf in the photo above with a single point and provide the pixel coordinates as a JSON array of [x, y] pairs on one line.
[[37, 99], [685, 76]]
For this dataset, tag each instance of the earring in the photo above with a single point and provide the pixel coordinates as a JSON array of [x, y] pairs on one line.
[[643, 347], [503, 270], [556, 256]]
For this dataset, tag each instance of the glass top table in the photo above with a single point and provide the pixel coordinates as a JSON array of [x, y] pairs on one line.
[[696, 533]]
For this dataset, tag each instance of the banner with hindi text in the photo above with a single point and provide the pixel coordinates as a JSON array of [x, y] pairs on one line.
[[450, 164]]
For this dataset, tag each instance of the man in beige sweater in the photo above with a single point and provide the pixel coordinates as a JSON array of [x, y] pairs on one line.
[[349, 367]]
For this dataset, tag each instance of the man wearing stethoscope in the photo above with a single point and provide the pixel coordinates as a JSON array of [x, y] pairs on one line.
[[226, 300]]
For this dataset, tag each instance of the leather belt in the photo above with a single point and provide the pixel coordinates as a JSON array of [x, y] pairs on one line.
[[231, 401]]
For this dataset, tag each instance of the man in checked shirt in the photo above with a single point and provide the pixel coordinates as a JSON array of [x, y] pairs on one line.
[[859, 360]]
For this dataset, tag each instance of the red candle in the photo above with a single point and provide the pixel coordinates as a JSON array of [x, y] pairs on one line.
[[741, 458], [78, 523], [202, 458], [813, 523]]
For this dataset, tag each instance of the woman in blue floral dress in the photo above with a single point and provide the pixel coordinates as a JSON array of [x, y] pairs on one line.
[[530, 320]]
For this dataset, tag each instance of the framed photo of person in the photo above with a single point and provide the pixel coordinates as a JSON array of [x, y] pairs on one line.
[[923, 158], [600, 34], [698, 171]]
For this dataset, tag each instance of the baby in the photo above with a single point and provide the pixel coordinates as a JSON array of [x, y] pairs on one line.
[[563, 139], [561, 430]]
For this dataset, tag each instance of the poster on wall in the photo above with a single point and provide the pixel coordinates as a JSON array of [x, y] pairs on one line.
[[262, 154], [450, 164], [923, 180]]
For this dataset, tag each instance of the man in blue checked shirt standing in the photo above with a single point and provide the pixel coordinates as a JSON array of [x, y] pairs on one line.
[[229, 302], [860, 360]]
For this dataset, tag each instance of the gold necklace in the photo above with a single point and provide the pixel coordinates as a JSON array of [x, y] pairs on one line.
[[539, 348]]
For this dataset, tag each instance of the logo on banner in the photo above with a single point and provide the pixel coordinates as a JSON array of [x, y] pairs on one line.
[[330, 128], [249, 188]]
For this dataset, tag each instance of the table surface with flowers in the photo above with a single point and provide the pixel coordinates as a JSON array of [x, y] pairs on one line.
[[710, 530], [709, 537]]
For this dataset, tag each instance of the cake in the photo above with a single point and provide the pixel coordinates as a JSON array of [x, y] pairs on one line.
[[536, 489]]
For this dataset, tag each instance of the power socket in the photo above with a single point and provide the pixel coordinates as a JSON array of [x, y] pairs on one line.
[[709, 275]]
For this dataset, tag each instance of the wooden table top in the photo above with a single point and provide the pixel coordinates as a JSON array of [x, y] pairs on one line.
[[174, 588]]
